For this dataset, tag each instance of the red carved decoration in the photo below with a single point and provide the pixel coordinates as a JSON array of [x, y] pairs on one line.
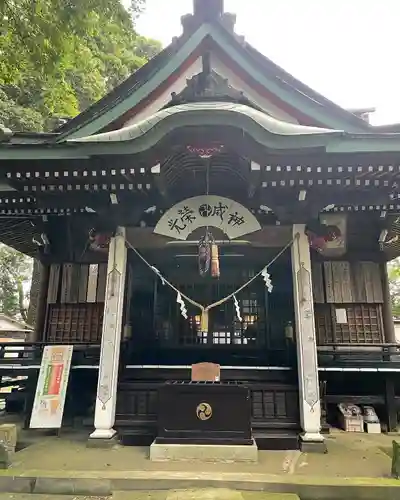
[[318, 241], [99, 242]]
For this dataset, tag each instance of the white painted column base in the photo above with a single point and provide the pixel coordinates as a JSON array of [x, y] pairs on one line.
[[312, 437], [309, 402], [103, 434]]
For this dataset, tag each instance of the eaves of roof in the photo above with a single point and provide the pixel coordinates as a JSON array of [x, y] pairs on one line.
[[264, 71], [265, 130], [126, 88]]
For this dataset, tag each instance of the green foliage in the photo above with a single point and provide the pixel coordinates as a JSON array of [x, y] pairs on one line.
[[59, 56], [15, 274], [394, 283], [17, 117]]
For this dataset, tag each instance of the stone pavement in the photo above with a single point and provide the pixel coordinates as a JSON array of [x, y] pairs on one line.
[[349, 455], [356, 466], [208, 494]]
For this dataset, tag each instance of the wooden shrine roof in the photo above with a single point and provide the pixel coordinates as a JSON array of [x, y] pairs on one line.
[[338, 158], [204, 34]]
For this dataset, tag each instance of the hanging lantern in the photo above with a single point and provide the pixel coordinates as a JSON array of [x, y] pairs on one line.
[[215, 272]]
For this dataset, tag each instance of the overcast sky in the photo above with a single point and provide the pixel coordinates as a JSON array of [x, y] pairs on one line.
[[348, 50]]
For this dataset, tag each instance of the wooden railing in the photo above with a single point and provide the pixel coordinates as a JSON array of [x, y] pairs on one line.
[[29, 354], [362, 355]]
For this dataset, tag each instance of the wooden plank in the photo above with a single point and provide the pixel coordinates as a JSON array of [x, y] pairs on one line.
[[83, 282], [318, 283], [54, 281], [337, 284], [66, 283], [345, 282], [330, 297], [368, 282], [101, 283], [377, 283], [358, 283], [92, 283], [74, 289]]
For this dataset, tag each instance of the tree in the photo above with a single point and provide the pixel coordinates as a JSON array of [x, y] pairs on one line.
[[15, 275], [59, 56], [394, 284]]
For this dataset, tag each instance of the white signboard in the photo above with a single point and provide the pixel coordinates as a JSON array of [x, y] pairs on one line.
[[341, 316], [231, 217], [48, 407]]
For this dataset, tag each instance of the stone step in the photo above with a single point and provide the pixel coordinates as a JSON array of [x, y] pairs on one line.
[[201, 494], [276, 440], [31, 496]]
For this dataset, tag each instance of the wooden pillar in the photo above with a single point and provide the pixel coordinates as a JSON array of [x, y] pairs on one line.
[[390, 402], [387, 313], [310, 406], [111, 338], [41, 306]]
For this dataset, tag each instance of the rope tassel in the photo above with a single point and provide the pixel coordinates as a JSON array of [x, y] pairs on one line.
[[215, 272], [204, 321]]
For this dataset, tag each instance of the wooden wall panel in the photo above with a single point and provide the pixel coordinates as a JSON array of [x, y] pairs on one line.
[[70, 284], [337, 284], [367, 283], [364, 325], [74, 290], [92, 283], [344, 276], [77, 283], [318, 283], [74, 323], [54, 281], [66, 283], [83, 282], [323, 324], [374, 275], [101, 283], [356, 282], [329, 292]]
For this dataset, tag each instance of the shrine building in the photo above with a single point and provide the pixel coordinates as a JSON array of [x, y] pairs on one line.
[[210, 209]]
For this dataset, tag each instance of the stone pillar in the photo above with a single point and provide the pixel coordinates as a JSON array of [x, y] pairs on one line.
[[387, 313], [106, 399], [310, 407]]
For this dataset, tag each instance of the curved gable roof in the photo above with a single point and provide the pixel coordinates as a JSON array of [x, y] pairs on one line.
[[313, 107]]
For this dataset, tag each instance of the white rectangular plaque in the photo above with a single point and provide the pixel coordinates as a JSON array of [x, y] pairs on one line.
[[341, 316], [51, 389]]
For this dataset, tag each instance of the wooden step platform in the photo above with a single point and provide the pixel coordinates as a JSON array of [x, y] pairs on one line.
[[266, 440], [277, 440]]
